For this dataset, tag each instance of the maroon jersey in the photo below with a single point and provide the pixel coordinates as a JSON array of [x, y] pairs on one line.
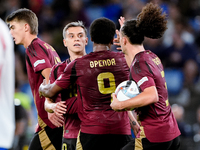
[[72, 122], [97, 75], [39, 56], [157, 119]]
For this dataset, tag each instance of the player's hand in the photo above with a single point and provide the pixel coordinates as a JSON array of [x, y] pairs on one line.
[[115, 104], [60, 108], [44, 86], [58, 121], [121, 21], [116, 40]]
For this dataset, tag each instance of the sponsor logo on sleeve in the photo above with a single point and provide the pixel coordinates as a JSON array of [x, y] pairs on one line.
[[42, 61], [141, 81], [59, 77]]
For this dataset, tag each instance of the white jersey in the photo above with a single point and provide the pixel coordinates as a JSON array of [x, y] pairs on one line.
[[7, 120]]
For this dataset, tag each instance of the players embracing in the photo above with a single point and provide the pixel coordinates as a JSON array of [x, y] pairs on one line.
[[103, 124], [101, 127]]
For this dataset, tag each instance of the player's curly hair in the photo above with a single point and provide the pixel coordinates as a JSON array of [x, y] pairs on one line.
[[151, 22], [102, 31]]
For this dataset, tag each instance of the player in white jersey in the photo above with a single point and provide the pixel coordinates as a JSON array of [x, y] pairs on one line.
[[7, 125]]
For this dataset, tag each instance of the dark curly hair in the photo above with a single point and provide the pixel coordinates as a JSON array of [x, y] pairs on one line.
[[102, 31], [149, 23]]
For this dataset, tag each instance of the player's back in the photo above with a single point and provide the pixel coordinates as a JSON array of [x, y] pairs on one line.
[[99, 73]]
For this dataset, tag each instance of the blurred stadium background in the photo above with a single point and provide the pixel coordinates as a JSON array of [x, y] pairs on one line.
[[179, 50]]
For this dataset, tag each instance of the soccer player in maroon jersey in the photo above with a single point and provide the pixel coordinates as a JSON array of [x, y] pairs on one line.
[[158, 128], [97, 75], [75, 39], [40, 57]]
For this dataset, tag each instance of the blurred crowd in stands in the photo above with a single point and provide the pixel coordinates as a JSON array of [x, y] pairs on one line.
[[179, 51]]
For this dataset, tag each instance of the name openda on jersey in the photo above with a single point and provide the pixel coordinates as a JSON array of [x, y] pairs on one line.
[[102, 63]]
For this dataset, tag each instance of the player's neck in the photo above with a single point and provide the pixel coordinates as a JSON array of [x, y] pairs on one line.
[[76, 55], [28, 40], [100, 47], [133, 50]]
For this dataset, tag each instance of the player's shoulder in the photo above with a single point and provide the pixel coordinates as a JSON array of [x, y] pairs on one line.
[[148, 57], [37, 41], [105, 52], [34, 44], [38, 47], [143, 56], [60, 64], [116, 54]]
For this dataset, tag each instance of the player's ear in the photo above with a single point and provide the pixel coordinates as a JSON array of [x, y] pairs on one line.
[[124, 40], [64, 42], [26, 27], [86, 40]]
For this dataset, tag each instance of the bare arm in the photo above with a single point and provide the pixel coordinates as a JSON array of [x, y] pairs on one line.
[[58, 108], [56, 119], [55, 111], [45, 73], [46, 89], [48, 105], [147, 97], [49, 90], [133, 121]]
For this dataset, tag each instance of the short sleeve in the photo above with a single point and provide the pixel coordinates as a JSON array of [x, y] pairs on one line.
[[38, 58], [64, 80], [142, 75]]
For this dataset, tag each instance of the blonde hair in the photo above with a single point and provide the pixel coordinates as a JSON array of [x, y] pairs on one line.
[[74, 24]]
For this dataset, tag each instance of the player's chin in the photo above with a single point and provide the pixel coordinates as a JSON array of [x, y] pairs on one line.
[[78, 49], [18, 43]]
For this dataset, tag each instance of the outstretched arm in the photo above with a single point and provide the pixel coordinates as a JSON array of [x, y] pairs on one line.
[[49, 90], [57, 120]]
